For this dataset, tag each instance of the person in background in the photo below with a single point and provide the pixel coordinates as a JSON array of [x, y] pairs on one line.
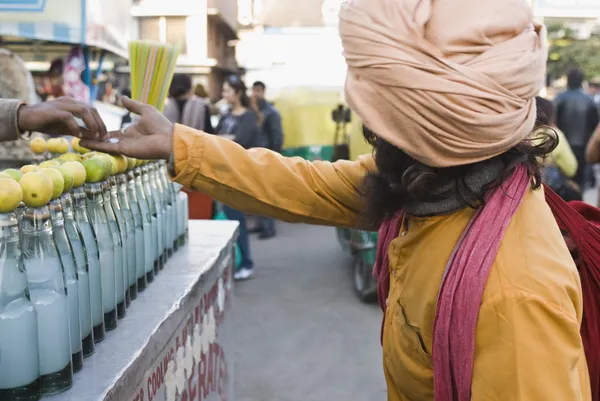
[[185, 108], [273, 138], [127, 117], [577, 116], [200, 91], [54, 117], [240, 124], [561, 164]]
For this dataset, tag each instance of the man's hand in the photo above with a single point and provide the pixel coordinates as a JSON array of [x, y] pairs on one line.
[[149, 137], [57, 117]]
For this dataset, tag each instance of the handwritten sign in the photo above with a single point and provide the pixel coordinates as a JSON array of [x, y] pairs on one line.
[[194, 365]]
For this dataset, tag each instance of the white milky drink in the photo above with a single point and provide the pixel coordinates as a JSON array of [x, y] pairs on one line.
[[140, 261], [118, 262], [19, 365], [44, 278], [95, 279], [107, 270], [83, 283]]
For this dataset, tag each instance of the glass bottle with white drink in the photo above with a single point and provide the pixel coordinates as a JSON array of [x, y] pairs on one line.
[[153, 215], [19, 359], [139, 222], [160, 216], [119, 258], [67, 260], [92, 253], [149, 234], [120, 195], [49, 295], [104, 240], [170, 210], [83, 278]]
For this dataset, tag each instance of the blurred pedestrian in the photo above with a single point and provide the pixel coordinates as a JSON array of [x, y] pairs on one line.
[[561, 164], [183, 107], [577, 116], [273, 139], [240, 124]]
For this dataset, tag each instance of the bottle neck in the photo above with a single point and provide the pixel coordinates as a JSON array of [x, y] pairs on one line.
[[93, 193], [9, 227], [56, 212], [67, 205], [36, 221]]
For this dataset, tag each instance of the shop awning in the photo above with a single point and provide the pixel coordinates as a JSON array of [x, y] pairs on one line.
[[105, 24]]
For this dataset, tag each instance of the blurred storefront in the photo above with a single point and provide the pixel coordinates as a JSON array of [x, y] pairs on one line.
[[206, 30]]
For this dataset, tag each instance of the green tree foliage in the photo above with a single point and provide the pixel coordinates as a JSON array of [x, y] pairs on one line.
[[566, 51]]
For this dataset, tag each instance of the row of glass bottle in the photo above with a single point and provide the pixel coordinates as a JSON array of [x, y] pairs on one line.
[[68, 272]]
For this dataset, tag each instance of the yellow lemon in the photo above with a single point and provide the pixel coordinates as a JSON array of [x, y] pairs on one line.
[[95, 169], [131, 162], [77, 147], [53, 145], [70, 157], [47, 164], [37, 189], [4, 175], [139, 162], [38, 145], [75, 144], [107, 164], [63, 145], [68, 178], [11, 195], [122, 163], [77, 171], [88, 155], [14, 174], [29, 168], [58, 161], [114, 164], [58, 182]]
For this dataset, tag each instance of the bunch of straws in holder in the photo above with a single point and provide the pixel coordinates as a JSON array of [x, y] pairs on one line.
[[152, 68]]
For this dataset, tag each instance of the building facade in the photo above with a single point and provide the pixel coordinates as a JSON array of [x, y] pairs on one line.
[[206, 31]]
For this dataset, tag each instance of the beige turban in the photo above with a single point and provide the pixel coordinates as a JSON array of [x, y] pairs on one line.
[[450, 82]]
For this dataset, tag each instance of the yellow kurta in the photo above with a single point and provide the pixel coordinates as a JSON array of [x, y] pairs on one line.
[[528, 345]]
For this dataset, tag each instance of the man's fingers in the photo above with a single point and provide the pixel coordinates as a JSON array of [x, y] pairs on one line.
[[84, 112], [67, 119], [101, 146], [134, 106], [102, 131]]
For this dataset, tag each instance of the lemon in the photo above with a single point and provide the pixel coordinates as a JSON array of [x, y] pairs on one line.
[[47, 164], [58, 145], [11, 195], [75, 144], [4, 175], [78, 148], [37, 189], [114, 164], [70, 157], [122, 163], [29, 168], [77, 171], [14, 174], [68, 178], [38, 145], [53, 145], [58, 161], [58, 182], [108, 166], [95, 169], [131, 162], [88, 155], [139, 162]]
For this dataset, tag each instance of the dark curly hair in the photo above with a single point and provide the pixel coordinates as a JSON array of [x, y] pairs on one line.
[[400, 180]]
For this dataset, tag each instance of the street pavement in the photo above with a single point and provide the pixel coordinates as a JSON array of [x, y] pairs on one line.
[[301, 333]]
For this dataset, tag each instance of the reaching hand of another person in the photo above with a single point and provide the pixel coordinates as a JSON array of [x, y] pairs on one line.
[[149, 137], [57, 117]]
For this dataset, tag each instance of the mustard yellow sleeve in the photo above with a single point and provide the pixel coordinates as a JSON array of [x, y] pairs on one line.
[[528, 349], [263, 182]]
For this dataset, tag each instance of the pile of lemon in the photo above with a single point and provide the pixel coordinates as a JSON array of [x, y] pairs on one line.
[[36, 185]]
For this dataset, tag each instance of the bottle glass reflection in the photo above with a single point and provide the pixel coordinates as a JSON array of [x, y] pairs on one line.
[[49, 295], [95, 204], [149, 237], [128, 220], [83, 279], [139, 221], [92, 253], [67, 260], [19, 362]]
